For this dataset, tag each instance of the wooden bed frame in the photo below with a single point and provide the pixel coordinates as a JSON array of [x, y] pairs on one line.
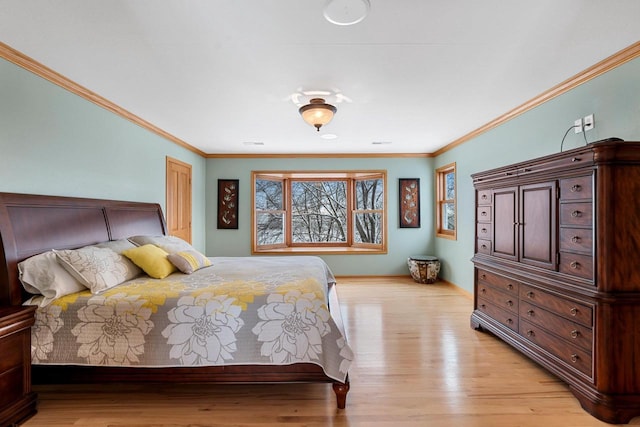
[[32, 224]]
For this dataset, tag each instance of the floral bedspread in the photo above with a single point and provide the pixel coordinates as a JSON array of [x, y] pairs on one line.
[[257, 310]]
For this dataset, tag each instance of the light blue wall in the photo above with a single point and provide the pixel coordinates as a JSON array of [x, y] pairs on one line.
[[402, 242], [54, 142], [614, 99], [57, 143]]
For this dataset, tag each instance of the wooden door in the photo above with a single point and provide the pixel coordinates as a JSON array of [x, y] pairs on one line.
[[179, 199], [537, 224], [505, 206]]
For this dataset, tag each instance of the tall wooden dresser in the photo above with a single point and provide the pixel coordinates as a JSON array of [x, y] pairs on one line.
[[557, 269]]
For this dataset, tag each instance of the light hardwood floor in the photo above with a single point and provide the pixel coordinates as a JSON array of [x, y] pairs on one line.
[[418, 363]]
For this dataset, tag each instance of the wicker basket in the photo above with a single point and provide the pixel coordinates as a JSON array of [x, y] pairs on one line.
[[424, 268]]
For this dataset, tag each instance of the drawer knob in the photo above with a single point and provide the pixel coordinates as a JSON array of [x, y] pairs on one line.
[[531, 313], [483, 213], [484, 197], [576, 188], [530, 294], [510, 321], [576, 214], [510, 303], [510, 286], [483, 290], [483, 246], [483, 276], [576, 159], [484, 230], [574, 358], [574, 311], [575, 265], [483, 306], [575, 334], [575, 239], [530, 333]]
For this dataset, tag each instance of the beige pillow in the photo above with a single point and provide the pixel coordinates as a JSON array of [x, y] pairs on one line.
[[97, 268], [169, 244], [42, 274], [119, 246]]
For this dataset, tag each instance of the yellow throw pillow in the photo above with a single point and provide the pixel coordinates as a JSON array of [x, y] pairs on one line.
[[151, 259]]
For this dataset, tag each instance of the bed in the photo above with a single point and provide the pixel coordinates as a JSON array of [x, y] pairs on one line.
[[36, 224]]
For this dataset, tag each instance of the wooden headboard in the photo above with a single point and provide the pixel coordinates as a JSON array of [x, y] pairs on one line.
[[32, 224]]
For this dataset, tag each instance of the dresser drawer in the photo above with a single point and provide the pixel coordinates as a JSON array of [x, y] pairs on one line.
[[576, 265], [12, 385], [483, 231], [502, 283], [484, 246], [484, 213], [571, 355], [560, 326], [507, 318], [11, 351], [484, 197], [580, 214], [576, 188], [576, 239], [500, 299], [574, 311]]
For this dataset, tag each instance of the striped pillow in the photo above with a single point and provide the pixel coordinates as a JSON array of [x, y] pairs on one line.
[[189, 261]]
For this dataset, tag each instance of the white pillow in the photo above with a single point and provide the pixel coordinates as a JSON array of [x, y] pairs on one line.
[[169, 244], [42, 274], [97, 268]]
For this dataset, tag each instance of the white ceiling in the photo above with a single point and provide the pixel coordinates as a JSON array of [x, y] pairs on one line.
[[219, 74]]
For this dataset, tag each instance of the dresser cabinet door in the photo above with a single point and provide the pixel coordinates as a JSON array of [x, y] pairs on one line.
[[505, 221], [537, 224]]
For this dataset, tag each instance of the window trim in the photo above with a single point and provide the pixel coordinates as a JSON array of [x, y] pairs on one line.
[[441, 192], [350, 247]]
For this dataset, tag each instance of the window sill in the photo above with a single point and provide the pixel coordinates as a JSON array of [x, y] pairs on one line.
[[447, 236], [319, 251]]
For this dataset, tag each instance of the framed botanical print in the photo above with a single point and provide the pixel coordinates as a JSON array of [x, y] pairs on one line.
[[409, 203], [228, 203]]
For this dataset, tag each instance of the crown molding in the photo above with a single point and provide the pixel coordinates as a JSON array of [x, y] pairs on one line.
[[318, 155], [46, 73], [608, 64]]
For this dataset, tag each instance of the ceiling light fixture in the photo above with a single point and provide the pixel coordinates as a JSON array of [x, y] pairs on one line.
[[346, 12], [317, 113]]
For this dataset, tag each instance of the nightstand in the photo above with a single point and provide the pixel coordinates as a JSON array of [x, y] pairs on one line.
[[17, 401]]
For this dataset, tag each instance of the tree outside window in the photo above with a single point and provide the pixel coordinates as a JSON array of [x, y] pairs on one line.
[[341, 211], [446, 201], [269, 212]]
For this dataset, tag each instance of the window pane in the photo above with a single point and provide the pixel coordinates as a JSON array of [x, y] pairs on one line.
[[318, 211], [270, 228], [450, 182], [368, 228], [268, 195], [369, 194], [448, 216]]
